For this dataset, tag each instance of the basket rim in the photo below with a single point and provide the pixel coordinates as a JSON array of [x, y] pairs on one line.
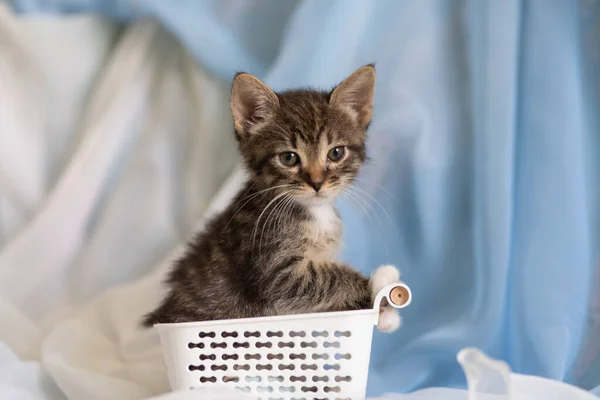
[[273, 318]]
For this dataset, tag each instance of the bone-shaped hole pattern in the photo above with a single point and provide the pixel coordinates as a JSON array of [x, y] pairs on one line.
[[320, 346]]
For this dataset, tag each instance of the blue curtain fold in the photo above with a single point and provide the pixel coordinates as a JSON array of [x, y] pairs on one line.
[[484, 182]]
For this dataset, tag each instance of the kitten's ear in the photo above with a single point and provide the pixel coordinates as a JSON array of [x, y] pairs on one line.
[[355, 94], [252, 102]]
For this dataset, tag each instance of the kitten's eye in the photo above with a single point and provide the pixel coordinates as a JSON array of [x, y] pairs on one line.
[[289, 158], [336, 153]]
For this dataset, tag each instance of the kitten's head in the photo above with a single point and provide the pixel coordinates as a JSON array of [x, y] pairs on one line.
[[305, 143]]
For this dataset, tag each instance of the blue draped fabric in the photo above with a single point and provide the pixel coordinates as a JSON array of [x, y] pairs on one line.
[[484, 183]]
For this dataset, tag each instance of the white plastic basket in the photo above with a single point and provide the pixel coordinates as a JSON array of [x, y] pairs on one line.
[[305, 356]]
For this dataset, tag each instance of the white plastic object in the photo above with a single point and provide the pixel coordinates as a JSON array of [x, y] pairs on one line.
[[304, 356], [489, 379], [486, 378]]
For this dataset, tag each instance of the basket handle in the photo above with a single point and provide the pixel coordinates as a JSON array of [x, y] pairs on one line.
[[398, 295]]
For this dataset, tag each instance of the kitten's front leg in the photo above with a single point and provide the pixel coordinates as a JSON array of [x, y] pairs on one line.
[[351, 293], [389, 319], [332, 286], [322, 286]]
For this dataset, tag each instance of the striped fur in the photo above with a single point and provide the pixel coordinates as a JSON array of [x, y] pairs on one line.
[[274, 250]]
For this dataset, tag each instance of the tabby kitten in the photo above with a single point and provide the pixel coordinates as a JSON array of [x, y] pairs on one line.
[[273, 250]]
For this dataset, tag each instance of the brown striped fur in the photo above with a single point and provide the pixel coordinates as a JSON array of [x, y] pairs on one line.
[[273, 250]]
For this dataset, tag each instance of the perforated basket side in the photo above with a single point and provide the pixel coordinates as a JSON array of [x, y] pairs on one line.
[[305, 357]]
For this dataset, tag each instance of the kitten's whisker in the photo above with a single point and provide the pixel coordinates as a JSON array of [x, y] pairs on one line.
[[365, 201], [267, 222], [350, 195], [376, 223], [378, 203], [252, 196], [246, 192], [266, 190], [377, 218], [377, 186], [276, 212], [285, 211], [254, 231], [411, 215], [356, 211], [287, 208], [362, 207], [362, 202]]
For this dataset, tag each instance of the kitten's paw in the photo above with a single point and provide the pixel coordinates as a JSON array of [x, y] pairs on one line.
[[389, 320], [382, 277]]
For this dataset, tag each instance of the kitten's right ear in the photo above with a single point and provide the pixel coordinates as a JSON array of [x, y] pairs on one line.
[[252, 102]]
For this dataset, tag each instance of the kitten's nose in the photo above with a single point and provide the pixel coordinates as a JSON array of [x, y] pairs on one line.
[[316, 185]]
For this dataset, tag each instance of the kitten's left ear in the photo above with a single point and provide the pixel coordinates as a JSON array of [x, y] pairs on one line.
[[355, 94], [252, 102]]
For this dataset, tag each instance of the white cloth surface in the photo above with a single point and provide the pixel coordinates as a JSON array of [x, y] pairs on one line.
[[112, 146]]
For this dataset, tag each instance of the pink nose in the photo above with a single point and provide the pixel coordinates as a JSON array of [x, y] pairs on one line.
[[316, 185]]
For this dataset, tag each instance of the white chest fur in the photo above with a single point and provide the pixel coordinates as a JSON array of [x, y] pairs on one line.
[[325, 219], [323, 232]]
